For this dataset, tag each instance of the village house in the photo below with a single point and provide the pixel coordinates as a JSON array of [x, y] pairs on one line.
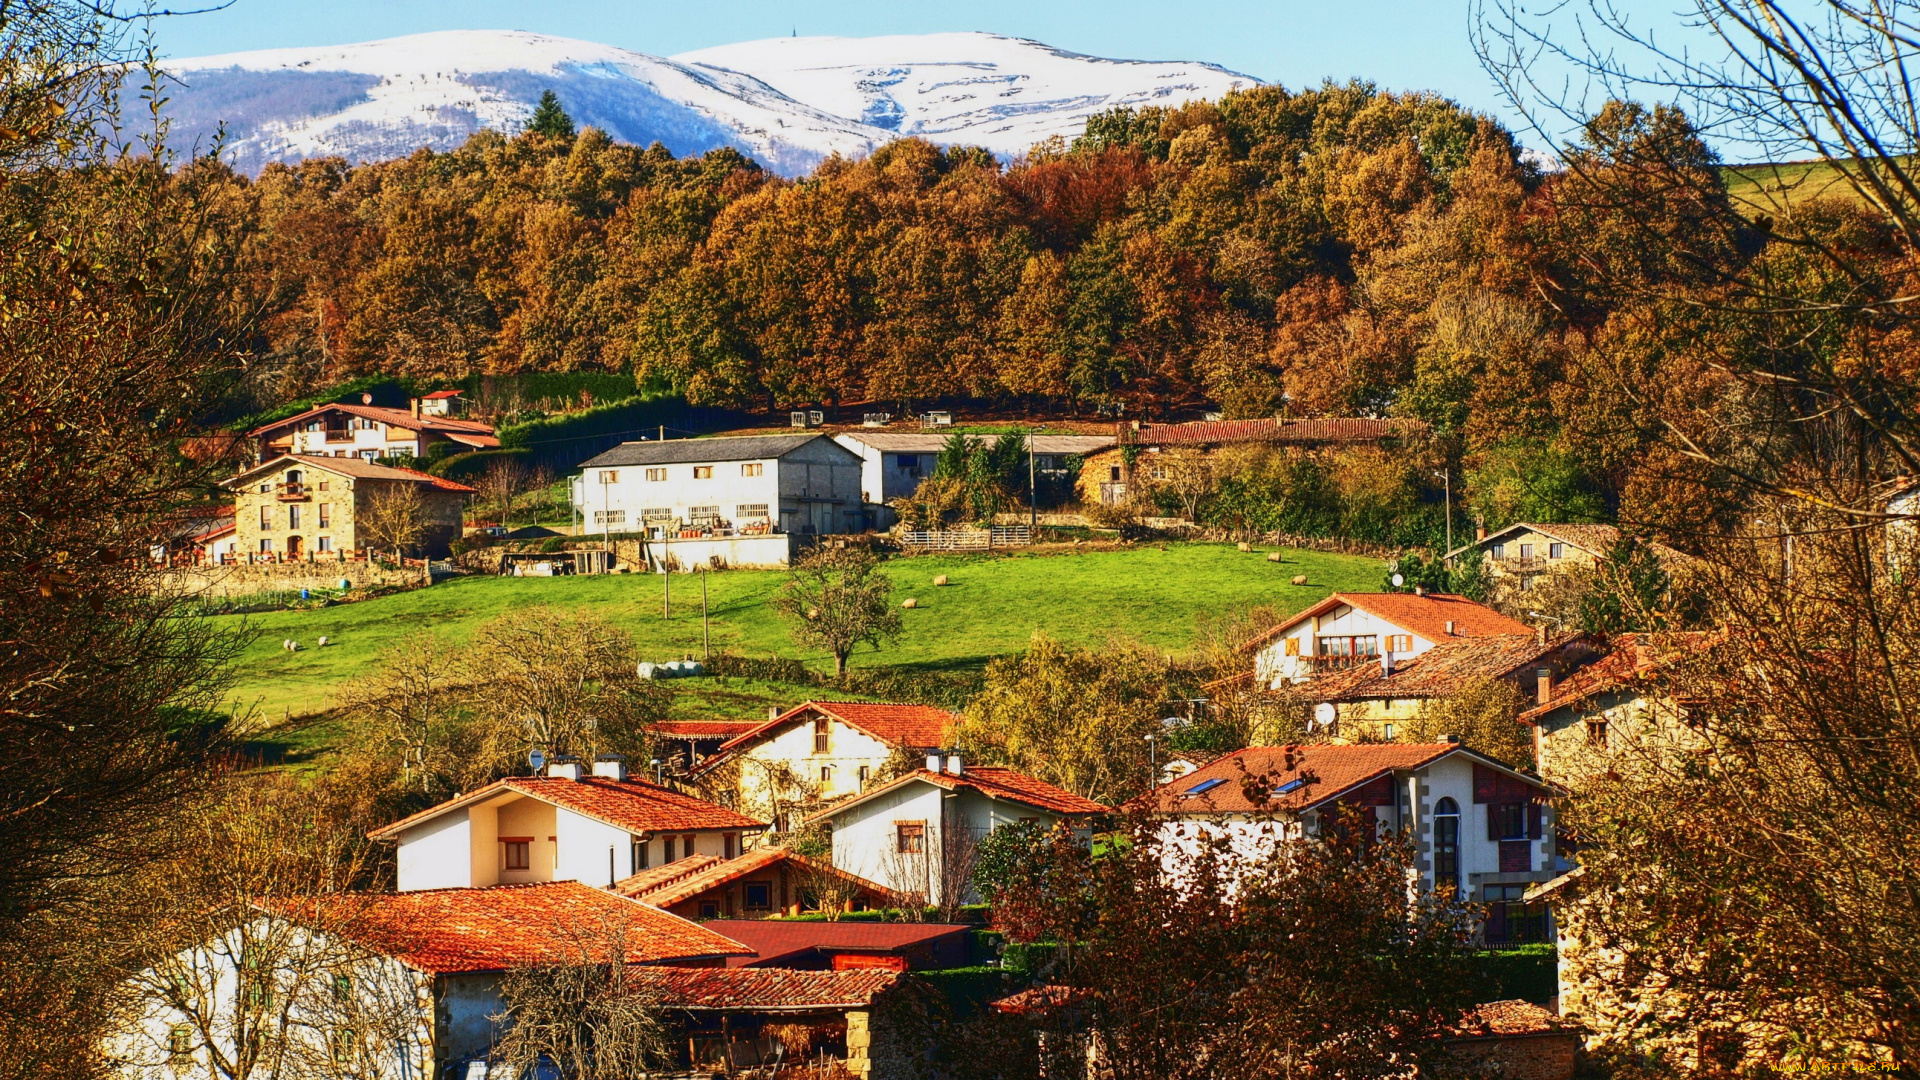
[[893, 464], [300, 508], [405, 984], [1352, 628], [1113, 477], [916, 834], [564, 826], [1524, 552], [1480, 826], [818, 751], [681, 745], [1613, 704], [760, 884], [368, 431], [749, 485], [1380, 701]]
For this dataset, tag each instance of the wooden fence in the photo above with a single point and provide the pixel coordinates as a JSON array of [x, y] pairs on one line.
[[968, 539]]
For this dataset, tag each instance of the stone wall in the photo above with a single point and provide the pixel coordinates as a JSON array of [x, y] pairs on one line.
[[246, 579], [1547, 1056]]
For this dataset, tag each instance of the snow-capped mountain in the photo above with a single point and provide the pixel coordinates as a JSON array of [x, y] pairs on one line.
[[786, 102], [1003, 93]]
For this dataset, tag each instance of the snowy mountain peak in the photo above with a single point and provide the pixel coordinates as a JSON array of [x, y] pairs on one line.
[[786, 102]]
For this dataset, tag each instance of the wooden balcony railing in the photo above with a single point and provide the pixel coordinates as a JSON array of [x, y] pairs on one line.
[[290, 492]]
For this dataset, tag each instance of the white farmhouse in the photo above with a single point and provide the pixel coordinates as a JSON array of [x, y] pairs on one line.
[[596, 829], [915, 834], [400, 986], [727, 486], [1349, 628], [822, 750], [1480, 827], [893, 464]]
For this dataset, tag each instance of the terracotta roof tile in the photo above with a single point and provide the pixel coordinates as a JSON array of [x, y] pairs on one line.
[[1496, 1019], [1329, 771], [1445, 669], [703, 729], [1272, 430], [659, 877], [633, 805], [1630, 657], [1426, 616], [990, 780], [916, 726], [354, 467], [707, 872], [403, 418], [1593, 539], [448, 931], [765, 989], [773, 940]]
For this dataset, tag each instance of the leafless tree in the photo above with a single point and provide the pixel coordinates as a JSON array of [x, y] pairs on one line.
[[504, 482], [394, 517], [586, 1012]]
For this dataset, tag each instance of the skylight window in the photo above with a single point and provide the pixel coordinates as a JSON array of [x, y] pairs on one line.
[[1203, 787], [1291, 785]]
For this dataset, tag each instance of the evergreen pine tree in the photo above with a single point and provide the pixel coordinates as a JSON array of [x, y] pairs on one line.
[[550, 119]]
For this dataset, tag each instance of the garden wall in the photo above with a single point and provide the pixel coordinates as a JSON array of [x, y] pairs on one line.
[[246, 579]]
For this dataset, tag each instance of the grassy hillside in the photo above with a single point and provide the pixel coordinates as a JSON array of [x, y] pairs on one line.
[[995, 602], [1774, 188]]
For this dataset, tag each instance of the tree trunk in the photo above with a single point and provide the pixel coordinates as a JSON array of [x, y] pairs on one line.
[[839, 665]]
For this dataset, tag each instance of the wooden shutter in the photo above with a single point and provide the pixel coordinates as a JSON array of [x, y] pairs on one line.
[[1493, 821], [1533, 821]]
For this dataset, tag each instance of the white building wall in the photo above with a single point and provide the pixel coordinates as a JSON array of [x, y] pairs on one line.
[[865, 838], [791, 749], [625, 491], [589, 851], [436, 854], [1274, 667]]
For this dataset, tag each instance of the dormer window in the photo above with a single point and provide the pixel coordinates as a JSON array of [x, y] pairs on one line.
[[516, 853]]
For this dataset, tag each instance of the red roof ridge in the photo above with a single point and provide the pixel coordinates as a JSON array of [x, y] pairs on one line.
[[839, 711]]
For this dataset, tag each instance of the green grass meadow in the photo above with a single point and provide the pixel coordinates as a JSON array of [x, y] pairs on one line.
[[992, 606]]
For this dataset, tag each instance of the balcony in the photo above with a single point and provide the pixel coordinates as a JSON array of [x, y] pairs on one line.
[[291, 492], [1329, 662]]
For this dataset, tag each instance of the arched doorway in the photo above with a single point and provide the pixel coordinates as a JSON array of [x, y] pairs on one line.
[[294, 546]]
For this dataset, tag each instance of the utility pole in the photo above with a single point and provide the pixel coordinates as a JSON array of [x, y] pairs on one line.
[[1033, 492], [706, 628], [666, 579], [1445, 476]]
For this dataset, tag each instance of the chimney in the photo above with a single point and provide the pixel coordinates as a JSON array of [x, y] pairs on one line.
[[955, 766], [416, 408], [1479, 533], [1419, 590], [1450, 628], [1540, 634], [1454, 739], [610, 766], [933, 761], [1543, 681], [565, 767], [1386, 664]]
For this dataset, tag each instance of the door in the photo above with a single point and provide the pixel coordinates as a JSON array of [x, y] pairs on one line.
[[820, 517], [293, 546]]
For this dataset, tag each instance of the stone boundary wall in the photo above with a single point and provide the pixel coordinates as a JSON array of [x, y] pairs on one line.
[[246, 579]]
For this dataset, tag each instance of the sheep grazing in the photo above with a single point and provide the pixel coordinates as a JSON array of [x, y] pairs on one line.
[[1300, 579], [909, 602], [322, 643], [1273, 556], [1244, 546], [940, 579]]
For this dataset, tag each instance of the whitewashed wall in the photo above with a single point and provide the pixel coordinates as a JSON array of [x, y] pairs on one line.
[[590, 852], [1273, 667], [436, 854]]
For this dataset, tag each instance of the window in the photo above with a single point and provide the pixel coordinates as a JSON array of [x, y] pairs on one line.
[[609, 476], [326, 515], [703, 513], [266, 517], [752, 468], [1526, 551], [1507, 821], [323, 543], [759, 895], [656, 475], [709, 910], [1556, 551], [1293, 646], [293, 517], [1499, 551], [686, 845], [326, 484], [516, 854], [703, 472], [639, 854], [343, 988], [293, 478], [906, 461], [657, 513], [750, 510], [1203, 787], [1400, 643], [1446, 844], [910, 837], [731, 845], [865, 773], [666, 851], [1597, 731], [1113, 474], [609, 517], [1510, 919], [826, 774], [1159, 472], [266, 489], [822, 734], [1355, 645], [180, 1040], [266, 545]]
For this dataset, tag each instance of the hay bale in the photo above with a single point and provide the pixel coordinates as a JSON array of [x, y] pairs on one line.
[[1273, 556], [1244, 546], [909, 602], [940, 579], [1299, 579]]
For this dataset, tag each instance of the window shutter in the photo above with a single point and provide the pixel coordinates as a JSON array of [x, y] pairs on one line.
[[1493, 822], [1533, 821]]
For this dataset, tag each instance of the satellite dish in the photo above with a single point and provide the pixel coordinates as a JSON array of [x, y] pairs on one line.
[[536, 758], [1398, 580], [1326, 713]]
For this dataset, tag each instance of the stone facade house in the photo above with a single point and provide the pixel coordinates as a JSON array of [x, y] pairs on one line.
[[893, 464], [1480, 826], [1131, 470], [1524, 552], [300, 508]]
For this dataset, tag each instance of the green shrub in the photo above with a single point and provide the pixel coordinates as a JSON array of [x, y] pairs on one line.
[[968, 990], [465, 468], [1527, 972], [384, 388], [552, 544]]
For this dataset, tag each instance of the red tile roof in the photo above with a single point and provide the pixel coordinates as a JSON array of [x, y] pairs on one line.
[[916, 726], [1447, 668], [989, 780], [1273, 430], [439, 395], [634, 805], [449, 931], [1426, 616], [661, 889], [777, 939], [1330, 771], [703, 729], [402, 418], [354, 467], [1041, 999], [1632, 657], [764, 990]]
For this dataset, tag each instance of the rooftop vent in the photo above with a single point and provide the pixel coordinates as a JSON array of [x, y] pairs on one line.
[[610, 766], [565, 767]]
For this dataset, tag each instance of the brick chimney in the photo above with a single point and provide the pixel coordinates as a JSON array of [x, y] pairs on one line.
[[566, 767], [1543, 685], [1479, 533], [956, 766]]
